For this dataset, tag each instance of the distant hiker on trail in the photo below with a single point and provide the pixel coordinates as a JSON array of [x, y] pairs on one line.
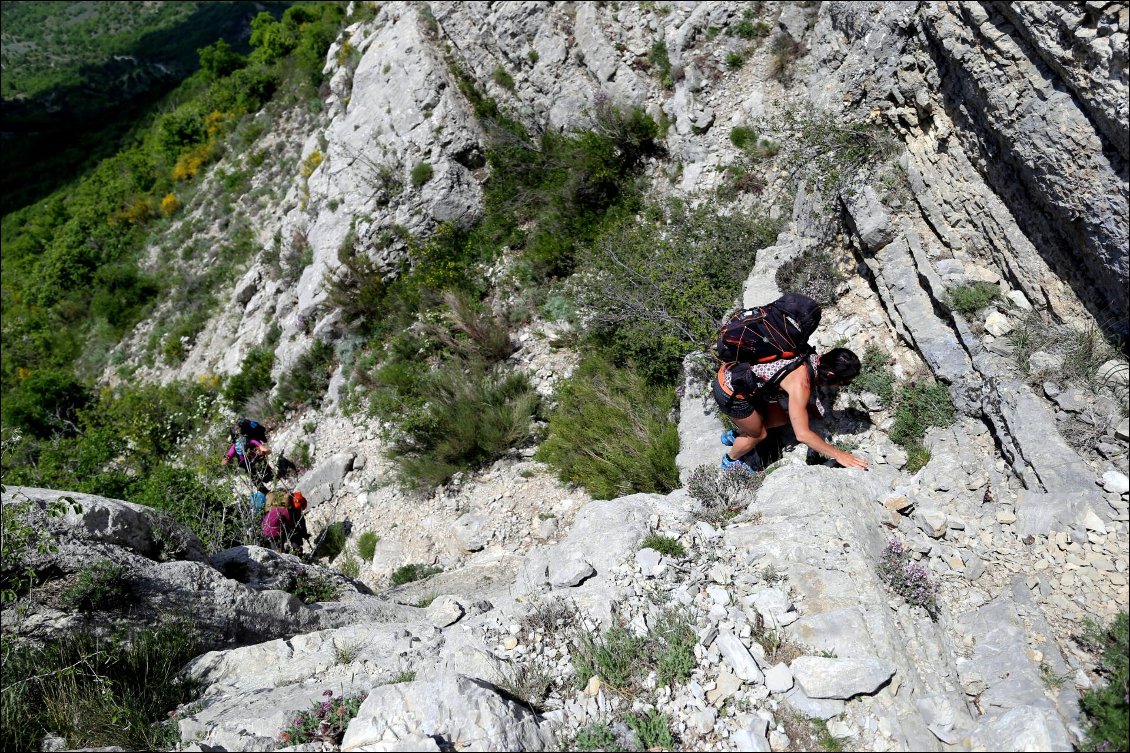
[[295, 530], [275, 522], [761, 385], [782, 392]]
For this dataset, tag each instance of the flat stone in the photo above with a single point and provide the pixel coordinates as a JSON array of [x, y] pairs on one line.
[[998, 324], [898, 503], [841, 678], [444, 611], [816, 708], [648, 559], [738, 657], [572, 572], [753, 735], [1114, 373], [725, 686], [779, 678], [1116, 483]]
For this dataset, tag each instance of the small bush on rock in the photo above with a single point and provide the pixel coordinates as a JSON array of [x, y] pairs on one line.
[[596, 736], [608, 437], [325, 722], [306, 383], [969, 300], [653, 730], [331, 543], [920, 405], [1107, 706], [907, 578], [311, 587], [875, 376], [99, 587], [367, 545], [413, 572], [813, 273], [665, 545], [721, 494]]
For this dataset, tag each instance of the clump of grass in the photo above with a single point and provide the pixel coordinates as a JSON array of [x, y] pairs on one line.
[[306, 383], [969, 300], [97, 691], [652, 729], [527, 681], [421, 174], [734, 60], [100, 587], [602, 437], [809, 734], [1106, 706], [502, 78], [665, 545], [743, 136], [311, 587], [413, 572], [621, 658], [596, 736], [1084, 349], [351, 567], [661, 61], [331, 543], [367, 545], [875, 376], [784, 50], [920, 405]]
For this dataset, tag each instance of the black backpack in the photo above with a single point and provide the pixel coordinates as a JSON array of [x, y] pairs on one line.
[[252, 430], [770, 333]]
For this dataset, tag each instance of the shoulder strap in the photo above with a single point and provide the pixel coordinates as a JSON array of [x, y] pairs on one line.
[[779, 377]]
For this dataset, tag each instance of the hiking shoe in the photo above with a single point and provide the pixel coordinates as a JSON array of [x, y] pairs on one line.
[[753, 460], [736, 466], [727, 437]]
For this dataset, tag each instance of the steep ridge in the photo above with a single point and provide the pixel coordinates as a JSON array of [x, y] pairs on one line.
[[1013, 176]]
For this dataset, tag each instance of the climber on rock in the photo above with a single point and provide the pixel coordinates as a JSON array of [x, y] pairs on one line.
[[762, 396]]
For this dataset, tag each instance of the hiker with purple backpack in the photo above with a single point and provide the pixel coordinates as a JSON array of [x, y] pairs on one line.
[[769, 377]]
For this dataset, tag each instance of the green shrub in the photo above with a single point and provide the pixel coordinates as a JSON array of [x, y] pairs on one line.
[[616, 657], [102, 586], [1106, 706], [351, 567], [661, 61], [357, 289], [502, 78], [664, 545], [97, 691], [253, 378], [596, 736], [917, 457], [654, 288], [45, 403], [421, 174], [742, 136], [325, 722], [330, 543], [673, 645], [311, 587], [307, 381], [367, 545], [653, 730], [605, 436], [814, 273], [875, 376], [722, 494], [473, 415], [784, 50], [413, 572], [734, 60], [969, 300], [919, 406]]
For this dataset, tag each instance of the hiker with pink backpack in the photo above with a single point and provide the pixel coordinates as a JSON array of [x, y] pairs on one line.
[[769, 377]]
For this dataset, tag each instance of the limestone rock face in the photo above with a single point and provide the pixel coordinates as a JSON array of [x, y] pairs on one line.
[[462, 712]]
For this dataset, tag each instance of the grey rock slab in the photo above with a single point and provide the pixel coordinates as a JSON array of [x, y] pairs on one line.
[[648, 560], [779, 678], [444, 611], [841, 678], [468, 713], [842, 631], [872, 223], [1028, 728], [473, 532], [753, 736], [816, 708], [699, 424], [328, 476], [1039, 513], [569, 573], [101, 520], [737, 656], [1116, 482]]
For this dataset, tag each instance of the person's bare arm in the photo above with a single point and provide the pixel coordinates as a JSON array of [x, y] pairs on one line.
[[797, 386]]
